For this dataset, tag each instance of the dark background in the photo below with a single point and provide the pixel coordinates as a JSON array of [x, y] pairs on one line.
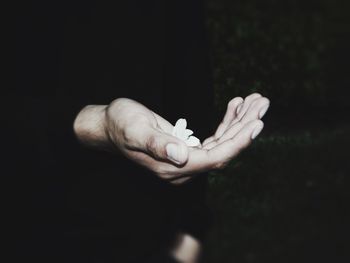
[[285, 199]]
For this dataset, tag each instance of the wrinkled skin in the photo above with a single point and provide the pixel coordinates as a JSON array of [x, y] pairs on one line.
[[128, 127]]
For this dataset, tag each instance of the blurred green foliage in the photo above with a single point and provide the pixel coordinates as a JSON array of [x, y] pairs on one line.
[[285, 199], [283, 49]]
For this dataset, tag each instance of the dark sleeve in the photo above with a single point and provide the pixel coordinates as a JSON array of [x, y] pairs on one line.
[[188, 66], [51, 86]]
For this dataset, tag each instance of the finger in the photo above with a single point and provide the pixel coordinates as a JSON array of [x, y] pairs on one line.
[[163, 146], [256, 110], [167, 171], [210, 145], [229, 134], [247, 101], [180, 180], [208, 140], [224, 152], [230, 115], [198, 162], [235, 106], [164, 170]]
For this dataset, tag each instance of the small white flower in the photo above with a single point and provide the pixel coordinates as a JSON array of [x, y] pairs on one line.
[[184, 134]]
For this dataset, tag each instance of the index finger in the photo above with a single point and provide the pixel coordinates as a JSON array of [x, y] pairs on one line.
[[221, 154]]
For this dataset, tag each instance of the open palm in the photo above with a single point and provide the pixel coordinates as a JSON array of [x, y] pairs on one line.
[[146, 135]]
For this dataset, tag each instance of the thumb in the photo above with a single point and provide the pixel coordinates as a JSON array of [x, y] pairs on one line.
[[164, 146]]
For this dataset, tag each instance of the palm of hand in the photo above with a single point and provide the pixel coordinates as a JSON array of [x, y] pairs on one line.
[[145, 135]]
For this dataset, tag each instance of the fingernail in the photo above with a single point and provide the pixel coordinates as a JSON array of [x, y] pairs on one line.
[[256, 131], [239, 108], [172, 152], [263, 111]]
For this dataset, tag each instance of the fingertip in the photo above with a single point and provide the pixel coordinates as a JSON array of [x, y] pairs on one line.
[[259, 125], [231, 111], [238, 109], [263, 111], [255, 95], [177, 152], [256, 124], [235, 102]]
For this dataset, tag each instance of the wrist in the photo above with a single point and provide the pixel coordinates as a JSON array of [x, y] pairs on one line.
[[90, 126]]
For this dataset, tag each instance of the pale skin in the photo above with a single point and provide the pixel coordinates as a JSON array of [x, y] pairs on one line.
[[129, 128]]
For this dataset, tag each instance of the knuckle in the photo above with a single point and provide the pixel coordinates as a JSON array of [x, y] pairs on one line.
[[152, 144], [118, 102], [118, 105], [129, 132], [132, 128]]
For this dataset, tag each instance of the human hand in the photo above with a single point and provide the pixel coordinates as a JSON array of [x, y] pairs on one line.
[[145, 137], [239, 127]]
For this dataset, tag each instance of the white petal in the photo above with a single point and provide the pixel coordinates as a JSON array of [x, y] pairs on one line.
[[187, 133], [193, 141], [180, 126], [183, 135]]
